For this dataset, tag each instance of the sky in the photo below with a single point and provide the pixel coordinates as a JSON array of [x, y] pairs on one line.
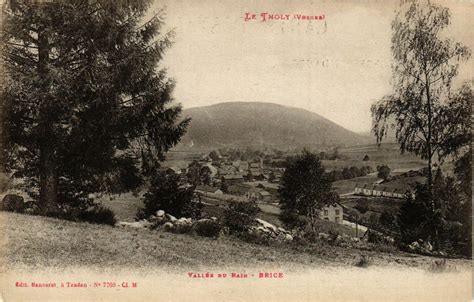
[[336, 67]]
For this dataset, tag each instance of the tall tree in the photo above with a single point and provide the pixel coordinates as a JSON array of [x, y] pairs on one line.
[[198, 174], [85, 97], [429, 118], [304, 189]]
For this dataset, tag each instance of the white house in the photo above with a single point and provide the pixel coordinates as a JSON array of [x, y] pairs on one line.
[[332, 212]]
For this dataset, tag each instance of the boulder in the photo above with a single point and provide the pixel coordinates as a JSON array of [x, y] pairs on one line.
[[168, 226], [283, 230], [267, 225], [170, 217], [137, 224], [13, 203], [160, 213], [427, 246], [156, 220], [204, 220], [324, 236], [183, 221], [262, 229], [414, 246]]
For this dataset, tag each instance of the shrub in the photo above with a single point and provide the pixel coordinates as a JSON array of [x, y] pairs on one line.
[[208, 228], [440, 266], [375, 237], [99, 215], [292, 220], [239, 216], [13, 203], [363, 261], [166, 193], [255, 237], [333, 234], [362, 206]]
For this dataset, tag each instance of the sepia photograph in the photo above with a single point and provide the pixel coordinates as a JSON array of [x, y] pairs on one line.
[[217, 150]]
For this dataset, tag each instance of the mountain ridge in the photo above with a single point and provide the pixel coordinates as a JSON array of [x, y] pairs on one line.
[[263, 124]]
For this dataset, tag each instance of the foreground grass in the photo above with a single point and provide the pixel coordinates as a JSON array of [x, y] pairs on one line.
[[40, 242]]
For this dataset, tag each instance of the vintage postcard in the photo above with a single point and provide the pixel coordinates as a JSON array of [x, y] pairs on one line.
[[217, 150]]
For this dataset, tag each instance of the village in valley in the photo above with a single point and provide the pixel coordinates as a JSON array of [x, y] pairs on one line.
[[228, 175]]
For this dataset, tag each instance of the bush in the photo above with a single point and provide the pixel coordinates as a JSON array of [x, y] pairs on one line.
[[239, 216], [383, 172], [208, 228], [99, 215], [13, 203], [292, 220], [255, 237], [363, 261], [166, 193], [440, 266], [333, 234], [362, 206]]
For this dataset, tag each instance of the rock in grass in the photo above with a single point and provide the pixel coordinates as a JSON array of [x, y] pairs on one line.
[[137, 224], [267, 225], [168, 226], [171, 217]]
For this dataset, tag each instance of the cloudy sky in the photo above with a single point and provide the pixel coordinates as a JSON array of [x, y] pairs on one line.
[[336, 67]]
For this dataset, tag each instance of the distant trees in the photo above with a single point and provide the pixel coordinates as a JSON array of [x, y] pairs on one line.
[[335, 175], [429, 118], [322, 155], [348, 173], [213, 155], [86, 108], [224, 187], [383, 171], [249, 176], [304, 189]]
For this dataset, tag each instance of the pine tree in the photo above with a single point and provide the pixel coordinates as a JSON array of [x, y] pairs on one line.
[[85, 98]]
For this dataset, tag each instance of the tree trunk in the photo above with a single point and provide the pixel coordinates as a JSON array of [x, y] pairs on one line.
[[48, 177], [48, 180], [430, 164]]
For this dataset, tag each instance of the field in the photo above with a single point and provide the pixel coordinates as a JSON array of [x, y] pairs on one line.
[[386, 154], [38, 242], [346, 186]]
